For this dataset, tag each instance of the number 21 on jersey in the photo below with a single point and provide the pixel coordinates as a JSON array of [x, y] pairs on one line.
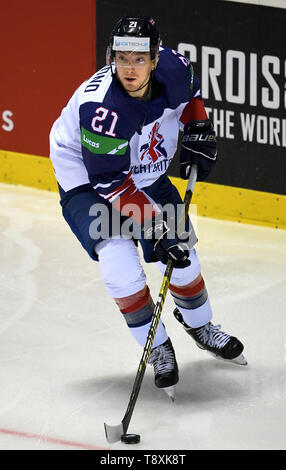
[[101, 115]]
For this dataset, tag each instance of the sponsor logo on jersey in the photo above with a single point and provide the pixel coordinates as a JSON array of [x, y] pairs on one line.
[[153, 150], [102, 145]]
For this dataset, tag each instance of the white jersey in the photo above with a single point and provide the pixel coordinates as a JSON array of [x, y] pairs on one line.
[[113, 141]]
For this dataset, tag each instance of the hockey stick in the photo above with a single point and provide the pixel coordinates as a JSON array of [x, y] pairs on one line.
[[114, 433]]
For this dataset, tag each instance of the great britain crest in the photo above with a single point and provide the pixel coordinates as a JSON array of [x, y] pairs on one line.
[[153, 150]]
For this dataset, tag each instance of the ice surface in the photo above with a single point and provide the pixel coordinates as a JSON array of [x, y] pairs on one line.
[[68, 362]]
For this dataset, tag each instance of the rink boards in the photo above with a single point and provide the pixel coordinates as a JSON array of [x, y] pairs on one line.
[[212, 200]]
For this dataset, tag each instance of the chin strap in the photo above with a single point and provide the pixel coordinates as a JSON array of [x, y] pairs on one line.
[[147, 83], [143, 86]]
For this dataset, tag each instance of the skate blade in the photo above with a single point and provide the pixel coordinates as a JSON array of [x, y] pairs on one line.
[[239, 360], [170, 391]]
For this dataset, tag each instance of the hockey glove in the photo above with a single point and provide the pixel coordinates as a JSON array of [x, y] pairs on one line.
[[199, 147], [167, 246]]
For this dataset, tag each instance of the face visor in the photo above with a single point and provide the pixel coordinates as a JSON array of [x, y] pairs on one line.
[[130, 52]]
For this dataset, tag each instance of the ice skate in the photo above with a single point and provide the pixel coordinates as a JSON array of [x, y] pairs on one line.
[[165, 367], [218, 343]]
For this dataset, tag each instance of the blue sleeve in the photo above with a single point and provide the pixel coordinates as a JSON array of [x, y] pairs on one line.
[[196, 90], [175, 72]]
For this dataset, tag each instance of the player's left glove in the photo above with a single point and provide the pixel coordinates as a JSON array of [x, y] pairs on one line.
[[199, 147]]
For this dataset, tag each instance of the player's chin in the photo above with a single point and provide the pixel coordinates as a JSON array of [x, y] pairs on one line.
[[130, 84]]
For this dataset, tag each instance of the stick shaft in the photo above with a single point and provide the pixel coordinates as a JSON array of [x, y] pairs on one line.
[[157, 311]]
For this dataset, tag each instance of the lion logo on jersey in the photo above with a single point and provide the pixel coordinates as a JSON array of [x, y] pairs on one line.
[[154, 150]]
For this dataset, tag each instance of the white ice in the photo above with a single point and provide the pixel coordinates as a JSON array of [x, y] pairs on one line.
[[68, 361]]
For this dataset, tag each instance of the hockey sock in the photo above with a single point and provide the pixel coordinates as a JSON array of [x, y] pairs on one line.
[[193, 302], [137, 310]]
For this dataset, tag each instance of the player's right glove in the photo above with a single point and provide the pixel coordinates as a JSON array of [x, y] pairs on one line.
[[167, 246], [199, 147]]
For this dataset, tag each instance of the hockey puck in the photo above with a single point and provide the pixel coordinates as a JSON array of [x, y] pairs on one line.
[[130, 438]]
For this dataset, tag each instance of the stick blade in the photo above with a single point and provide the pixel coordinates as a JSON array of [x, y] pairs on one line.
[[113, 433]]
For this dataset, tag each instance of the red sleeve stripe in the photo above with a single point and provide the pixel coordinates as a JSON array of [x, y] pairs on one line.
[[194, 110]]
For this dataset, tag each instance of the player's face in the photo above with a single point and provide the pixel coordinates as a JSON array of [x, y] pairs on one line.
[[133, 70]]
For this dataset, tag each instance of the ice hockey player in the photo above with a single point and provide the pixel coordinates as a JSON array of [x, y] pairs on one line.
[[110, 149]]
